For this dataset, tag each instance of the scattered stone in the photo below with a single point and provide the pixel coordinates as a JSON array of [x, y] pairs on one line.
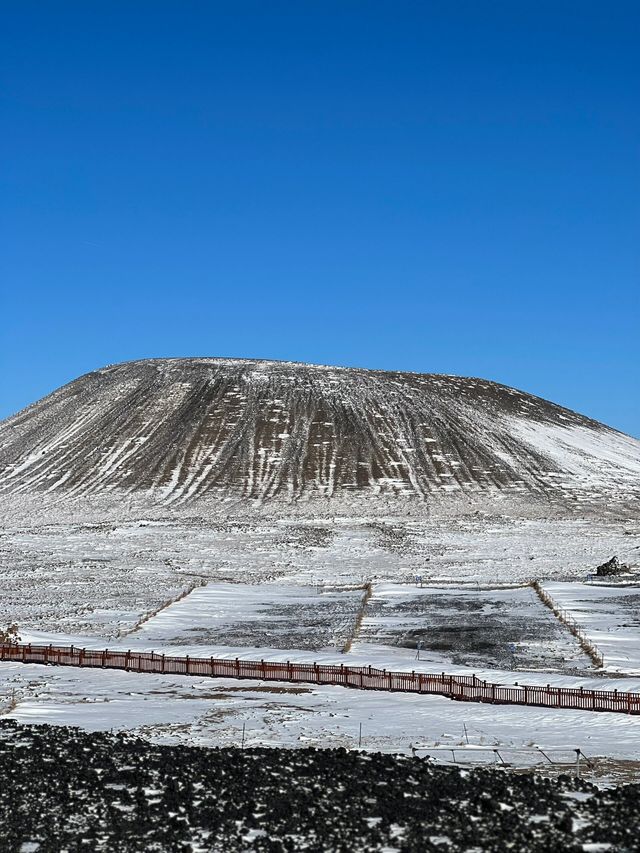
[[66, 789], [611, 567]]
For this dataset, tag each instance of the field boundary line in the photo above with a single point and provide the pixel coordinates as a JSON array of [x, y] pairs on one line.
[[368, 592], [563, 615], [152, 613]]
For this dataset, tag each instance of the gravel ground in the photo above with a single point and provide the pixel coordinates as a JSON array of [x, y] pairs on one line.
[[66, 789]]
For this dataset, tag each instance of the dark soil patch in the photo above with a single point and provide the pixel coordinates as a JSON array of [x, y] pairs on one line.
[[473, 631]]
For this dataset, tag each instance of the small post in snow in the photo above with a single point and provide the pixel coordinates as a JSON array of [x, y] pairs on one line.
[[243, 734], [360, 736]]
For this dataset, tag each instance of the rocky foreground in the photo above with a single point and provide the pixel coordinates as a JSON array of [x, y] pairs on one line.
[[66, 789]]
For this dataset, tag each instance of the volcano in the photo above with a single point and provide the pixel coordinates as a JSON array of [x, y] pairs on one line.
[[182, 430]]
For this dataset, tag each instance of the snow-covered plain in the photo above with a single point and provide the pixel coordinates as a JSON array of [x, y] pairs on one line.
[[102, 578], [251, 615], [200, 711], [498, 627], [610, 617], [291, 588]]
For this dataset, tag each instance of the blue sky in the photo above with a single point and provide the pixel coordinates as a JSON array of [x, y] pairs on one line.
[[444, 187]]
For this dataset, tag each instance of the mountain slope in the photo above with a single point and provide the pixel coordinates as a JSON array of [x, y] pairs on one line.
[[182, 429]]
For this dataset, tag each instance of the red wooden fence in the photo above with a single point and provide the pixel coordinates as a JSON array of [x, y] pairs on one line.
[[461, 687]]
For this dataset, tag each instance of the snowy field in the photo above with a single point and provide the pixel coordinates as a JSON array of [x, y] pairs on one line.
[[491, 628], [276, 615], [102, 579], [610, 617], [200, 711], [293, 589]]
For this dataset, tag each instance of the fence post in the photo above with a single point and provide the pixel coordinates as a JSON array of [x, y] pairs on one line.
[[473, 687]]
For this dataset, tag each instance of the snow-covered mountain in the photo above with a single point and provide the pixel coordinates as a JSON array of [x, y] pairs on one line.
[[180, 430]]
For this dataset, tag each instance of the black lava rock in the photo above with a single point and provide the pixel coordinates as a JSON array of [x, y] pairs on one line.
[[67, 789]]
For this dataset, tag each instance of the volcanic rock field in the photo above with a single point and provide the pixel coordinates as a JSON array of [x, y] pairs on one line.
[[64, 789]]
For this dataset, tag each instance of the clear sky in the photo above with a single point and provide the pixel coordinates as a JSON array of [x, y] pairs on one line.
[[446, 186]]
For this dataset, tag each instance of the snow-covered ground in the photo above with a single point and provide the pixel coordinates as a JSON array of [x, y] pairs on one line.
[[610, 617], [213, 712], [280, 615], [291, 588], [500, 627], [102, 578]]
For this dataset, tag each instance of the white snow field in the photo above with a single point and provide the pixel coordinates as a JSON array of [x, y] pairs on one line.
[[201, 711], [610, 617], [292, 588], [278, 615], [102, 578]]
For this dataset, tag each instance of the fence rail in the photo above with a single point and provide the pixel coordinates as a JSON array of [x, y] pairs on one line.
[[460, 687]]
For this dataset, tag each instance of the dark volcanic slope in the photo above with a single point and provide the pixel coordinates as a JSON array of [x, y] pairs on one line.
[[179, 429]]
